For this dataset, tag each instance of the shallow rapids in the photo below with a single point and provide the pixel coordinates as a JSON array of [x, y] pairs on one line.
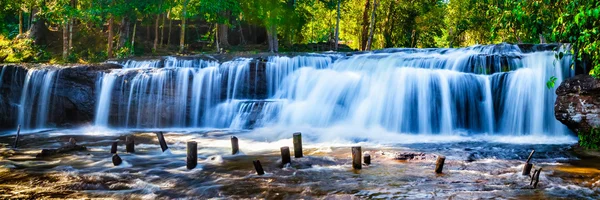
[[473, 169]]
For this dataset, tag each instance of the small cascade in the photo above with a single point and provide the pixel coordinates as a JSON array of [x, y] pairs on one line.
[[36, 100], [279, 67], [176, 95]]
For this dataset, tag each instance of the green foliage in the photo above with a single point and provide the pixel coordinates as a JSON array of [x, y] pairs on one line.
[[590, 140], [550, 83], [579, 24], [21, 50]]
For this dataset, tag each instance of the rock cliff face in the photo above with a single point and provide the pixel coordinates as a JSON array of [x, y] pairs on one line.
[[73, 96], [578, 103]]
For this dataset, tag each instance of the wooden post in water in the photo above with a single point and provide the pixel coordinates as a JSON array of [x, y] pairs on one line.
[[116, 159], [192, 154], [356, 157], [17, 137], [298, 145], [129, 144], [537, 178], [439, 164], [235, 148], [113, 149], [367, 159], [161, 140], [258, 167], [285, 155], [528, 165]]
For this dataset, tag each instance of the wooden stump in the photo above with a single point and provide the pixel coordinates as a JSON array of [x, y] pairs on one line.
[[367, 159], [258, 167], [439, 164], [113, 148], [527, 168], [161, 140], [528, 165], [129, 144], [192, 154], [285, 155], [116, 159], [356, 158], [537, 178], [16, 144], [297, 145], [235, 148]]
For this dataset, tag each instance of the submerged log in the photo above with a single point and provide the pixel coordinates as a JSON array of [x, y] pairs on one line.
[[17, 137], [113, 148], [367, 159], [235, 148], [116, 159], [285, 156], [356, 157], [258, 167], [297, 145], [161, 140], [439, 164], [129, 144], [192, 155], [410, 156], [61, 150]]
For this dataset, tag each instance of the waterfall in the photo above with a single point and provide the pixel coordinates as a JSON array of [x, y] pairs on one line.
[[36, 99], [490, 90]]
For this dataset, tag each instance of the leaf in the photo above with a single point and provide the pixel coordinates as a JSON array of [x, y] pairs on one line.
[[550, 83]]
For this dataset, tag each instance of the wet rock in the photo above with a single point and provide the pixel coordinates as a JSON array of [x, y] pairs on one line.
[[407, 156], [62, 150], [12, 78], [578, 103]]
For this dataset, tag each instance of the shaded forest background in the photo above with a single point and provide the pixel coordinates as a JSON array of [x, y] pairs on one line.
[[67, 31]]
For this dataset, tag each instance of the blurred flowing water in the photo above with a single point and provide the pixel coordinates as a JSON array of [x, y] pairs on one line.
[[483, 107]]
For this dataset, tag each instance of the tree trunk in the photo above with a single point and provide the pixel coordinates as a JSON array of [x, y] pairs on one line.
[[72, 21], [365, 26], [217, 37], [20, 22], [274, 37], [223, 30], [123, 31], [270, 38], [182, 37], [156, 33], [542, 39], [65, 52], [242, 39], [110, 37], [337, 27], [169, 32], [162, 31], [517, 36], [370, 42], [133, 37]]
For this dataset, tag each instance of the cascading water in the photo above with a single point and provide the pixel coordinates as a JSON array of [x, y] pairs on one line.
[[496, 89], [36, 100]]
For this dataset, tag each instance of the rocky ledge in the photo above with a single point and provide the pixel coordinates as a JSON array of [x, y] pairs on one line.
[[578, 103]]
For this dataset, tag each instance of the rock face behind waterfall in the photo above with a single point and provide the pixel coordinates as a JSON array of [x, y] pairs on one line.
[[578, 103], [72, 94], [74, 97]]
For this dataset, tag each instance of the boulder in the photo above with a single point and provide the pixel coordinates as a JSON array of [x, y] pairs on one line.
[[578, 103]]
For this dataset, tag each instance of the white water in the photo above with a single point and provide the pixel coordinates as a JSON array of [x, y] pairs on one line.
[[35, 103], [489, 90]]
